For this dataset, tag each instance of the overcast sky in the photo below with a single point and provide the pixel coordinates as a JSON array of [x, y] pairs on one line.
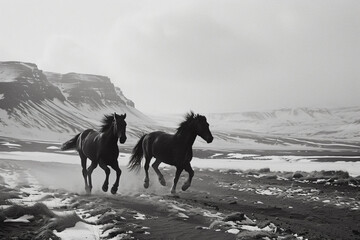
[[209, 56]]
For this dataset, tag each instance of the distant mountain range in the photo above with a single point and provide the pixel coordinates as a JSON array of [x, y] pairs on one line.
[[338, 123], [53, 106], [300, 128]]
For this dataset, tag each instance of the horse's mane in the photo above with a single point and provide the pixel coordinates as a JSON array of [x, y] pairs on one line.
[[189, 117], [106, 122]]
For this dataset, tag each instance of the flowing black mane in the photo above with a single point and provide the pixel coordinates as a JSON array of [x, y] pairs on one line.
[[189, 117], [107, 122]]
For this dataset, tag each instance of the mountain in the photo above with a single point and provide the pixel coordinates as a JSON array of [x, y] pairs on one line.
[[52, 106], [45, 105], [337, 123], [291, 128]]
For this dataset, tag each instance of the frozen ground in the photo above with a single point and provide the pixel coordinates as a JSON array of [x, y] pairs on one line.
[[242, 161]]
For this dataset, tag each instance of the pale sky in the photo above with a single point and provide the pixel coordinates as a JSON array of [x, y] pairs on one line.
[[208, 56]]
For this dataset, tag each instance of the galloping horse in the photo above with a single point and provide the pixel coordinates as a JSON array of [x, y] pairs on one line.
[[171, 149], [101, 148]]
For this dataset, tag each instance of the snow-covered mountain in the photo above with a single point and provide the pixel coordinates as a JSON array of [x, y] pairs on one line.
[[52, 106], [338, 123], [44, 105]]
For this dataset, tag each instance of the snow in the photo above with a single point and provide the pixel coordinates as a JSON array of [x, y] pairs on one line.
[[80, 231], [22, 219], [10, 177], [41, 157], [233, 231], [139, 216], [10, 144], [53, 148], [241, 156], [275, 163], [2, 96]]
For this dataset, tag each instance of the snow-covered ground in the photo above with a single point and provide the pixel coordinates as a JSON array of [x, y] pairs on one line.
[[275, 163]]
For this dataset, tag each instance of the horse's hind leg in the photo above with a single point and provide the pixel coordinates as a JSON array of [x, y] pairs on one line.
[[107, 172], [187, 184], [84, 171], [146, 167], [114, 188], [155, 166]]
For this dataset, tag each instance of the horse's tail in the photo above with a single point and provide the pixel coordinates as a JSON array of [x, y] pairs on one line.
[[136, 156], [71, 144]]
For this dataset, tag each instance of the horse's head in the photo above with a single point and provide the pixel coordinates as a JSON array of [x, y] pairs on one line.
[[202, 128], [120, 127]]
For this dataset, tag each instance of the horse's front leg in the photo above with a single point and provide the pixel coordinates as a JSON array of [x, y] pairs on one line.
[[176, 179], [84, 171], [107, 172], [114, 188], [90, 169], [187, 184]]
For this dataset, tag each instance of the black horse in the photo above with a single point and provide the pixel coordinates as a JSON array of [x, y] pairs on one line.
[[174, 149], [101, 148]]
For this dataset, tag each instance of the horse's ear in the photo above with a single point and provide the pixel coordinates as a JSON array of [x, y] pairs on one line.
[[124, 115]]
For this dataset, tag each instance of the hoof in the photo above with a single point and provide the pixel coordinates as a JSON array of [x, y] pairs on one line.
[[104, 188], [114, 190], [146, 184], [162, 181], [88, 190], [185, 187], [173, 191]]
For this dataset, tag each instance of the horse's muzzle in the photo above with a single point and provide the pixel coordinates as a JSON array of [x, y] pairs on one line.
[[210, 139], [122, 140]]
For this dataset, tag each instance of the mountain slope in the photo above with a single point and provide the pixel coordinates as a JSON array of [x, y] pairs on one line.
[[44, 105], [340, 123]]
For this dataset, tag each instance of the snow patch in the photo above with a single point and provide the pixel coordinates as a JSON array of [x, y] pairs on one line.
[[22, 219], [80, 231]]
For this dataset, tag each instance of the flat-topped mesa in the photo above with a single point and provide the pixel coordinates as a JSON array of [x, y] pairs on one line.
[[95, 90], [22, 82]]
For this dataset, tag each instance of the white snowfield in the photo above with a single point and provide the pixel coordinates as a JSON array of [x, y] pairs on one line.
[[275, 163]]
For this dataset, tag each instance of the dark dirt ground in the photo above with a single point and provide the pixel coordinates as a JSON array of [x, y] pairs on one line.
[[310, 208]]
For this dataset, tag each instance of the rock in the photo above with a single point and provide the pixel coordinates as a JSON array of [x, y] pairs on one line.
[[100, 210], [251, 235], [218, 224], [264, 170], [271, 176], [232, 171], [139, 230], [263, 224], [107, 227], [2, 217], [297, 175], [238, 216], [289, 237], [116, 232], [106, 218]]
